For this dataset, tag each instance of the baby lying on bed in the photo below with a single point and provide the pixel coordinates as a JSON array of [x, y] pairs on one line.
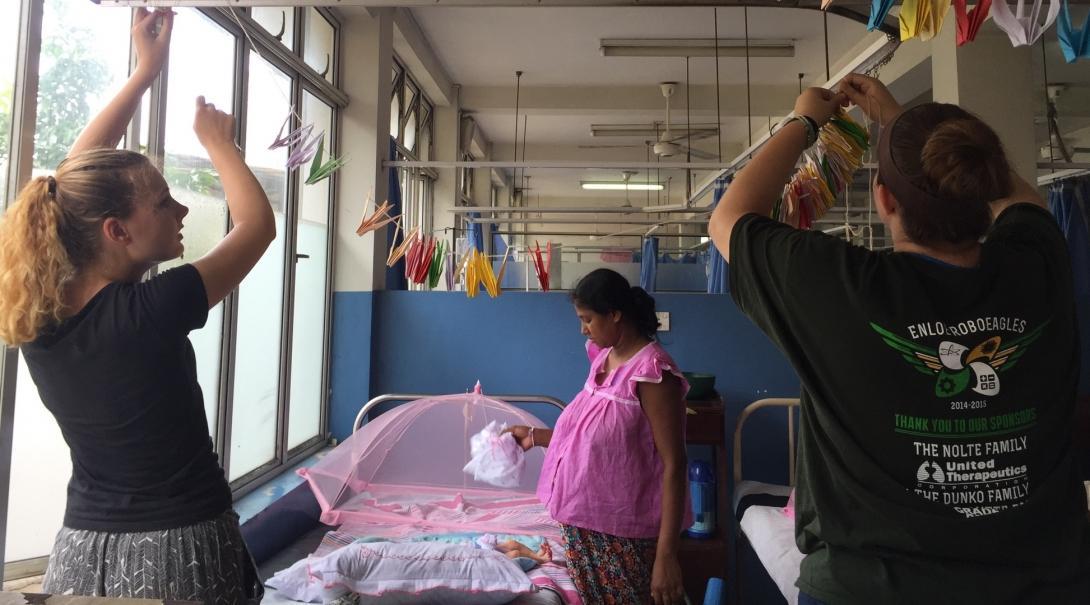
[[522, 554]]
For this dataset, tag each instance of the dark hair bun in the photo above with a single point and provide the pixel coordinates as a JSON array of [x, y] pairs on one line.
[[643, 312], [957, 159], [964, 160]]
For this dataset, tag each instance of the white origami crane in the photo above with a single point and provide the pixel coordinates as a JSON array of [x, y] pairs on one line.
[[1021, 29]]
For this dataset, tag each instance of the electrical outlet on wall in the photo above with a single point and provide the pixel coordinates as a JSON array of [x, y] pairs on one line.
[[664, 320]]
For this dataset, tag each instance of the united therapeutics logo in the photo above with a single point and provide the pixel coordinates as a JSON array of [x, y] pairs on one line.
[[956, 367]]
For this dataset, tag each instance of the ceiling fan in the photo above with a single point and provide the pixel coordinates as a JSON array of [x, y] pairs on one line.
[[668, 145], [668, 141]]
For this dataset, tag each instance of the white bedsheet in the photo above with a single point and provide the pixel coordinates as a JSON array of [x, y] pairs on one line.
[[772, 535]]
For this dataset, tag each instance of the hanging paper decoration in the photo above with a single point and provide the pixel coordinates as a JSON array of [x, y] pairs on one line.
[[380, 218], [301, 139], [541, 265], [319, 171], [1075, 43], [503, 266], [922, 18], [1023, 30], [398, 250], [478, 272], [436, 269], [419, 258], [450, 269], [969, 21], [878, 11], [825, 171]]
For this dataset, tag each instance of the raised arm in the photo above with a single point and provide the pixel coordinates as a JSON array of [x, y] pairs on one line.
[[1021, 192], [254, 227], [761, 182], [151, 39]]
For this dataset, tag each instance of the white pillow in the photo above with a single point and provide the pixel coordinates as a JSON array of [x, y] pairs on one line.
[[411, 572]]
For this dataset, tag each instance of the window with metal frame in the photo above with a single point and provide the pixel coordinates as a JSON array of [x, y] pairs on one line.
[[278, 21], [84, 59], [258, 339], [414, 132], [9, 21], [196, 43]]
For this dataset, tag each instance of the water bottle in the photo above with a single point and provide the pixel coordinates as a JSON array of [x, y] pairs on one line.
[[714, 593], [702, 494]]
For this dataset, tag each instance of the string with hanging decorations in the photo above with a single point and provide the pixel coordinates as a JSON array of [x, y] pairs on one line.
[[1024, 25], [825, 169]]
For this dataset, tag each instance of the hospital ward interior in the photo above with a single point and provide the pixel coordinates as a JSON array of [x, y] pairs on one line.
[[545, 302]]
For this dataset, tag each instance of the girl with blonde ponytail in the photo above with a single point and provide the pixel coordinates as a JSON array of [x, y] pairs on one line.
[[149, 509]]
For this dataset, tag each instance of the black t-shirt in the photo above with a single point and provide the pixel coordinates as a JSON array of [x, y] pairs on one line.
[[935, 461], [120, 378]]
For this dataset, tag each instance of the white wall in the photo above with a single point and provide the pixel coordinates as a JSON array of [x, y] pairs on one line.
[[361, 127]]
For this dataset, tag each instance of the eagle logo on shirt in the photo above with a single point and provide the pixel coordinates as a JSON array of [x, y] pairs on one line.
[[956, 367]]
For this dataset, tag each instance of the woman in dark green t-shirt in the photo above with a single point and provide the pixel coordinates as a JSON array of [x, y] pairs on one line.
[[938, 378]]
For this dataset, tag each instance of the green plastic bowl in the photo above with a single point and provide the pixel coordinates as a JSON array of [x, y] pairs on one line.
[[701, 386]]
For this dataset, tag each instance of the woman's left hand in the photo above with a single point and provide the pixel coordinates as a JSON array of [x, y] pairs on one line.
[[151, 39], [666, 586], [820, 104]]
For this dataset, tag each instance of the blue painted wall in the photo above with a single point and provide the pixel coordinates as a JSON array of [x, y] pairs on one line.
[[350, 360]]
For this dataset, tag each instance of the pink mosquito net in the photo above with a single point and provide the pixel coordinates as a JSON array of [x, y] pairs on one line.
[[406, 467]]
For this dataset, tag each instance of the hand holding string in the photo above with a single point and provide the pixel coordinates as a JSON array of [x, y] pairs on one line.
[[819, 104], [151, 41], [871, 96]]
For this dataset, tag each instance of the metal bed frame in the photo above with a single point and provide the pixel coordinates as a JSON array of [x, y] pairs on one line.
[[790, 404], [740, 539]]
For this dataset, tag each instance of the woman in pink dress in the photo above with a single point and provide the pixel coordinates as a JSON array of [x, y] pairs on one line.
[[615, 471]]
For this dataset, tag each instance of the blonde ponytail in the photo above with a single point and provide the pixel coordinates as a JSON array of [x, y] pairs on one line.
[[34, 266], [53, 231]]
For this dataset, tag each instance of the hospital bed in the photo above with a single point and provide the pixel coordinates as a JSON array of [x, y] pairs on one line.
[[552, 581], [758, 508]]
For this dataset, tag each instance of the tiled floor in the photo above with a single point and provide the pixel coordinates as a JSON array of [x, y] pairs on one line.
[[24, 585]]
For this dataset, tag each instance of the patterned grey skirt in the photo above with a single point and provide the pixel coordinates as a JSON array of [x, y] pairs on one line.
[[206, 562]]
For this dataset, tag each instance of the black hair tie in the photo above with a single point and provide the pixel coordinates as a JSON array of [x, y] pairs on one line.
[[52, 183]]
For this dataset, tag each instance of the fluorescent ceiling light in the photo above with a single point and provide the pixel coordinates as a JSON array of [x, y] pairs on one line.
[[668, 208], [647, 130], [608, 186], [694, 47]]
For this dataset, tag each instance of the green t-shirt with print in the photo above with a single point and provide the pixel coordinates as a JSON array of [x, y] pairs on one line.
[[935, 461]]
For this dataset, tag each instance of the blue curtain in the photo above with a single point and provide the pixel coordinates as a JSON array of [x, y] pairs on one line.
[[649, 263], [395, 276], [475, 232], [1068, 201], [718, 276]]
